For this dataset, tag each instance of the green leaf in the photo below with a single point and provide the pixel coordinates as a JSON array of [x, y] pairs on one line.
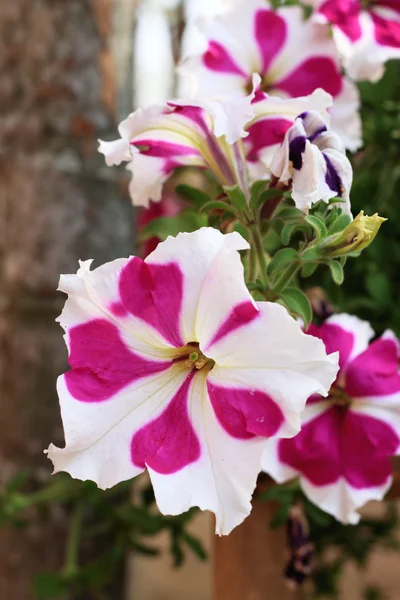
[[288, 230], [296, 301], [310, 254], [281, 493], [192, 195], [220, 205], [256, 191], [281, 259], [308, 269], [336, 271], [49, 585], [341, 223], [165, 226], [289, 213], [318, 226], [237, 197], [144, 550], [281, 515], [195, 545]]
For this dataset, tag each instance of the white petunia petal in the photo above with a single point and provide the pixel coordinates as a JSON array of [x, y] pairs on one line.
[[224, 477]]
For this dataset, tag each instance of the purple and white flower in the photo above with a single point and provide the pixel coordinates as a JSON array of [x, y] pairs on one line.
[[293, 57], [176, 369], [213, 135], [312, 159], [367, 34], [342, 453]]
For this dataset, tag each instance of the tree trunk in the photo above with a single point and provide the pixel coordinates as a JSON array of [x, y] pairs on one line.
[[58, 204]]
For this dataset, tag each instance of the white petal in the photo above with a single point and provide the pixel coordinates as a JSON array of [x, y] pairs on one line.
[[273, 355], [115, 152], [341, 500], [98, 435], [197, 254], [224, 477], [147, 180], [346, 120], [361, 330]]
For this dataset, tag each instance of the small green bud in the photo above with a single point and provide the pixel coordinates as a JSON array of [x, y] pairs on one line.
[[354, 238]]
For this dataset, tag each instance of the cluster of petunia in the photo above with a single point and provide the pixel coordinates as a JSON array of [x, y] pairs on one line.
[[194, 368]]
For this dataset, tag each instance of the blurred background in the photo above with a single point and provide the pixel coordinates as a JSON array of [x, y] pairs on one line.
[[70, 70]]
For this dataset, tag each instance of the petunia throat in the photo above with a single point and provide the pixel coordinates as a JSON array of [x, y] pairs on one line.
[[194, 358]]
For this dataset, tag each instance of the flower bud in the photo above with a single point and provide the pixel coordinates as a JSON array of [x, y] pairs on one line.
[[354, 238]]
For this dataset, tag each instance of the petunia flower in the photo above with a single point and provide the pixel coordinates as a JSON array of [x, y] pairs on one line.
[[234, 137], [367, 34], [342, 453], [175, 368], [293, 57], [312, 159]]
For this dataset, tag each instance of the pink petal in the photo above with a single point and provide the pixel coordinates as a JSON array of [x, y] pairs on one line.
[[366, 445], [164, 149], [153, 293], [387, 33], [316, 72], [270, 31], [102, 364], [375, 371], [345, 14], [265, 133], [335, 339], [315, 451], [341, 443], [240, 315], [217, 58], [245, 414], [168, 443]]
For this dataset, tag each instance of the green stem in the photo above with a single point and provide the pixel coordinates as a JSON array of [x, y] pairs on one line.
[[285, 279], [259, 252], [71, 556], [251, 265], [58, 490]]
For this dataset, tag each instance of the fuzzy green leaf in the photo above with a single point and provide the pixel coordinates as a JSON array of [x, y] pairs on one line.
[[281, 259], [339, 224], [237, 197], [296, 301], [336, 271], [311, 254], [318, 226], [192, 195]]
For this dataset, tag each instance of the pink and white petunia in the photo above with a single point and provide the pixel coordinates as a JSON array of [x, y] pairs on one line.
[[221, 135], [342, 453], [367, 34], [294, 57], [175, 368], [312, 159]]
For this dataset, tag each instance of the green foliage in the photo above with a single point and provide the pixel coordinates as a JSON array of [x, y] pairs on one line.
[[162, 227], [369, 289], [109, 522]]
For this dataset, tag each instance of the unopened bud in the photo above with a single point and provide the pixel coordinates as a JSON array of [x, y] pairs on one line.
[[354, 238]]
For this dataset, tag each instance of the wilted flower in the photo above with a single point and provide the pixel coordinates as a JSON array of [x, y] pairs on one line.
[[354, 238], [175, 368], [367, 34], [342, 452], [234, 137], [312, 159], [293, 57]]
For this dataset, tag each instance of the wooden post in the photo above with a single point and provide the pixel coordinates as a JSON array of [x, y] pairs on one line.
[[58, 204], [249, 563]]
